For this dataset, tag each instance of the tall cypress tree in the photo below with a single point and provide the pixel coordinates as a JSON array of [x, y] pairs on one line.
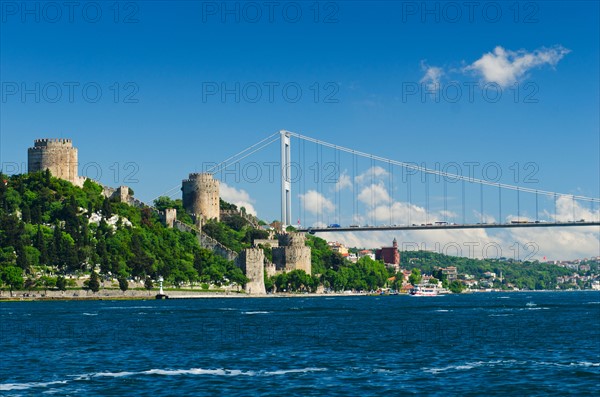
[[56, 252], [94, 283], [40, 244]]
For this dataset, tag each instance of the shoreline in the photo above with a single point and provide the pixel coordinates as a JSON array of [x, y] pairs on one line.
[[176, 295]]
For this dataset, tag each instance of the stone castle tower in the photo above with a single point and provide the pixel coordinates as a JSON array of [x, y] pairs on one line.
[[252, 262], [292, 253], [201, 195], [57, 155]]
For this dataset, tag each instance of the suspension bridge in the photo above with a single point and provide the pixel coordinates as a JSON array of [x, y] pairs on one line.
[[345, 190]]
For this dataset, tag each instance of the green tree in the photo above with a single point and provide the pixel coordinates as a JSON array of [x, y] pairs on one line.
[[94, 282], [268, 283], [456, 287], [106, 208], [30, 284], [148, 283], [61, 283], [140, 262], [123, 284], [47, 282], [415, 276], [13, 277], [40, 244], [281, 282]]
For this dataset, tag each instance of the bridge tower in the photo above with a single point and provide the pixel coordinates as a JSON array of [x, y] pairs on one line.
[[286, 180]]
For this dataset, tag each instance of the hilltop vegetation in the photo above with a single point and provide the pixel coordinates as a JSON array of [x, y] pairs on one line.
[[50, 227]]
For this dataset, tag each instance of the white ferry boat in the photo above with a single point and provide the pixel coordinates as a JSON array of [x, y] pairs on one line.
[[425, 290]]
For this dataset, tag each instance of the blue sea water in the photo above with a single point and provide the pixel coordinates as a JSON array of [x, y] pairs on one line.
[[479, 344]]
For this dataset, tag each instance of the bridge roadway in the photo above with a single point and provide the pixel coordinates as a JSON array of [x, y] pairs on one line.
[[314, 230]]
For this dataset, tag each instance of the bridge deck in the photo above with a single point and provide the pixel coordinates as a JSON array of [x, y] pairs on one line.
[[448, 226]]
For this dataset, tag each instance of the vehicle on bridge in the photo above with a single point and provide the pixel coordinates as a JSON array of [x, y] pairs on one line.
[[334, 226]]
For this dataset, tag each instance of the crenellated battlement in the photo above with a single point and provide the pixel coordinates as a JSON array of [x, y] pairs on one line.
[[201, 177], [52, 142]]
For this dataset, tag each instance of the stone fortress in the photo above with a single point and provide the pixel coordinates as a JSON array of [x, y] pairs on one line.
[[200, 194], [289, 253], [57, 155], [292, 253], [201, 198]]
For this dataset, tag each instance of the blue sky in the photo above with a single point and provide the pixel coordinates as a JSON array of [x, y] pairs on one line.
[[364, 59]]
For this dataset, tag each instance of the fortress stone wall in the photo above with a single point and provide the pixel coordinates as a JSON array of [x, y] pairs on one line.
[[57, 155], [252, 263], [200, 194], [264, 242]]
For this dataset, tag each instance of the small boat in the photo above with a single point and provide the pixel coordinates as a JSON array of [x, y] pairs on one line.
[[424, 290]]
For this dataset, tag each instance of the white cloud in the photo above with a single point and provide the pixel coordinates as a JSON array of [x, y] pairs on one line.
[[398, 212], [525, 243], [239, 197], [432, 76], [553, 243], [518, 243], [486, 218], [567, 210], [448, 214], [375, 172], [314, 202], [344, 181], [402, 213], [374, 194], [505, 67]]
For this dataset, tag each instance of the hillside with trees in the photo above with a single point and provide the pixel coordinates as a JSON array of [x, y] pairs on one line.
[[51, 228], [531, 275]]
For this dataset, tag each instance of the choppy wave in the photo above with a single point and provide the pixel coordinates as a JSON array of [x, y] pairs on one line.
[[494, 363], [449, 368], [29, 385], [293, 371], [90, 314], [257, 312], [468, 365], [127, 307], [535, 308], [157, 372], [584, 364]]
